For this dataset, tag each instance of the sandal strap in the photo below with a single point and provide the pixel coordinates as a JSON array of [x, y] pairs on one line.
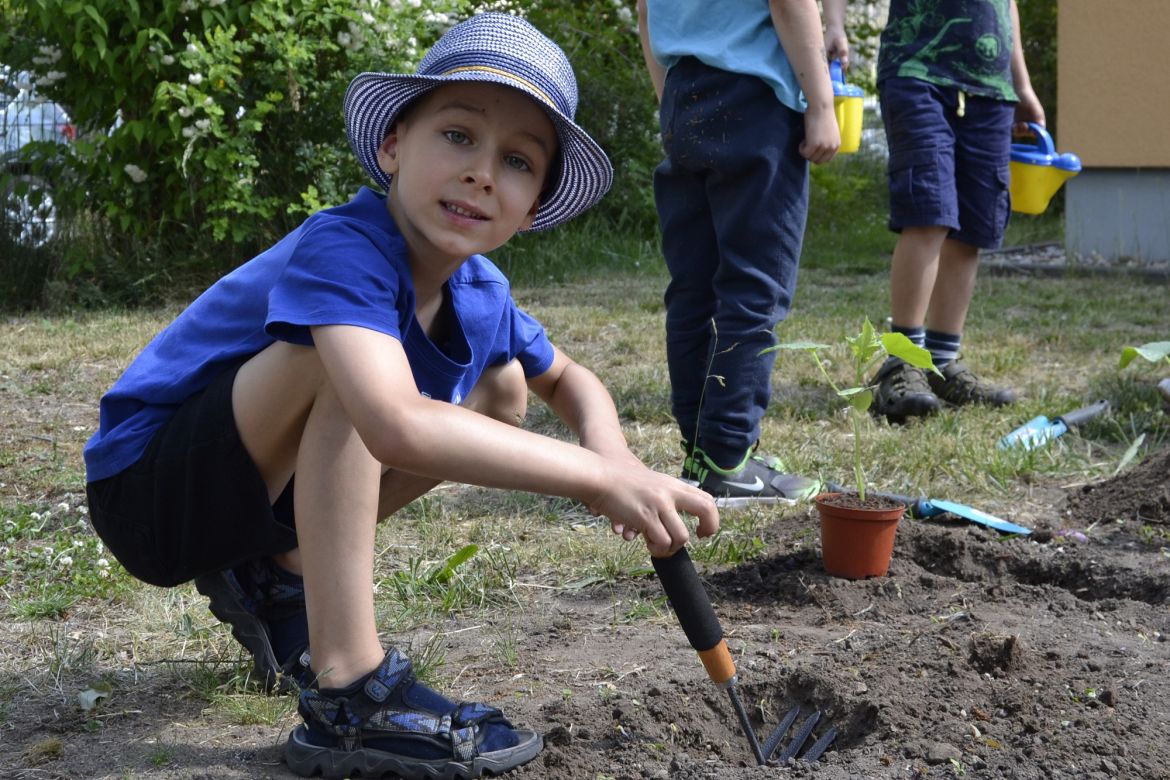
[[394, 671], [473, 713], [353, 719]]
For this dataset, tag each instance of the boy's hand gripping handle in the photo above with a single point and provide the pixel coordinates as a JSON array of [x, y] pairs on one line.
[[695, 614]]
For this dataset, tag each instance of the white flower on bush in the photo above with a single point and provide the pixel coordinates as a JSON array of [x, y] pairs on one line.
[[195, 78], [136, 174], [625, 14], [186, 111], [203, 125], [63, 507], [102, 563], [367, 17], [167, 59], [188, 132], [414, 3], [344, 39], [192, 48], [65, 560]]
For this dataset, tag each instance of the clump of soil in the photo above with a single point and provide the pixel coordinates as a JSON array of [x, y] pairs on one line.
[[1141, 495]]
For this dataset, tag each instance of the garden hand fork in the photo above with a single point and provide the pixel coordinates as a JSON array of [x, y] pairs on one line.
[[699, 622]]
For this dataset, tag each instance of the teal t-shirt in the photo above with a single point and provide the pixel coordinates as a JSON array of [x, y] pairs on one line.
[[966, 44], [736, 36]]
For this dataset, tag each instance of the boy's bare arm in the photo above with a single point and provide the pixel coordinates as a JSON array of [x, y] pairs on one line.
[[1029, 108], [579, 398], [798, 25], [657, 72], [372, 377]]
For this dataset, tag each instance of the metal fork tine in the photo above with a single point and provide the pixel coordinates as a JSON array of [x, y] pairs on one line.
[[820, 746], [778, 733], [801, 737]]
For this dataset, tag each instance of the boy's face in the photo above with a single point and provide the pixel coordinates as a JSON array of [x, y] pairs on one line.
[[469, 162]]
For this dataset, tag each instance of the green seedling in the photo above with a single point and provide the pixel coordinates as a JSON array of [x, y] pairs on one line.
[[865, 351], [1153, 352]]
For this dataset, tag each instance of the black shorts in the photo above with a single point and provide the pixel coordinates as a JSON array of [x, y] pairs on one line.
[[194, 502]]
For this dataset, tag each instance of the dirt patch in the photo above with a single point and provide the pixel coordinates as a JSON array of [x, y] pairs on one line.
[[977, 655]]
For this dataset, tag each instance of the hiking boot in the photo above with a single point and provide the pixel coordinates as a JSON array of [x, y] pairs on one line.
[[959, 385], [902, 391], [388, 724], [265, 608], [757, 480]]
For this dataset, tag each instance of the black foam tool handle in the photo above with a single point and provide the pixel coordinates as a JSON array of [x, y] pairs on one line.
[[689, 598]]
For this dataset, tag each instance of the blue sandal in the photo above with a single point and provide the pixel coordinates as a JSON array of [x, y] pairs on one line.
[[390, 725], [266, 616]]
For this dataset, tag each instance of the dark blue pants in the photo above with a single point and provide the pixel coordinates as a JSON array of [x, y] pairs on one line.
[[732, 198]]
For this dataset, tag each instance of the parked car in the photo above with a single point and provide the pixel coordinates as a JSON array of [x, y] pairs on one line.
[[28, 118]]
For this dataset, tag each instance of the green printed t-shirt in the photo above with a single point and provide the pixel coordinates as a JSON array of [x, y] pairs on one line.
[[966, 44]]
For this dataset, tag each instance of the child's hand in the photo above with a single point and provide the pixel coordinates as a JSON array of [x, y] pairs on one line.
[[1029, 109], [822, 136], [837, 45], [641, 501]]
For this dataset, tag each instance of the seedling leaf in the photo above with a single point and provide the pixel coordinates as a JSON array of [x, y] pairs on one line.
[[453, 563], [1153, 352]]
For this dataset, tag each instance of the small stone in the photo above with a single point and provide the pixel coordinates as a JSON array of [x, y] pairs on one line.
[[941, 753]]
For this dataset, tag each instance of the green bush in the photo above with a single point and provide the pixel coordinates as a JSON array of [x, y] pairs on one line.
[[208, 127]]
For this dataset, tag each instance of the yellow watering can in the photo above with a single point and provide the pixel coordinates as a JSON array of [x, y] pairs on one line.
[[847, 106], [1038, 172]]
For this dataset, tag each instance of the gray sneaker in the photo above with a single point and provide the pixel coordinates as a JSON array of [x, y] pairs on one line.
[[760, 481], [902, 391], [959, 385]]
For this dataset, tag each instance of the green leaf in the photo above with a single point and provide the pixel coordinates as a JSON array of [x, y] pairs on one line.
[[453, 563], [97, 17], [861, 401], [1129, 455], [1154, 352], [899, 346]]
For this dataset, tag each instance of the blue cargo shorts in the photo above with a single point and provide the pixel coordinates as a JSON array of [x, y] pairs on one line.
[[949, 160]]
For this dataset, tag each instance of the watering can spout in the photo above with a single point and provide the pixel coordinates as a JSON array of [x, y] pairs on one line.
[[1038, 172]]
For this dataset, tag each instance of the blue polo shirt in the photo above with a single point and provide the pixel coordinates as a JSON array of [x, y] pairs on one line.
[[342, 266], [732, 35]]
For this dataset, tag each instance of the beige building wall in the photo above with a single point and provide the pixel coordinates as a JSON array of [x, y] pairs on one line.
[[1113, 82]]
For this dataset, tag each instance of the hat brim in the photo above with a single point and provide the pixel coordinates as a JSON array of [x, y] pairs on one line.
[[374, 100]]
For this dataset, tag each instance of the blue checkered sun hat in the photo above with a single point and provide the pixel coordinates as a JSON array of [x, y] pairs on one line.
[[500, 49]]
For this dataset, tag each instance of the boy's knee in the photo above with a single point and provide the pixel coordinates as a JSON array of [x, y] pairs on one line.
[[501, 393]]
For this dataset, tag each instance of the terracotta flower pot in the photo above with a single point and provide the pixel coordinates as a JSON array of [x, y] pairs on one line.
[[857, 541]]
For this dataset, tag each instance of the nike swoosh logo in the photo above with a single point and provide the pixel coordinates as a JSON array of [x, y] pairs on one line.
[[754, 487]]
